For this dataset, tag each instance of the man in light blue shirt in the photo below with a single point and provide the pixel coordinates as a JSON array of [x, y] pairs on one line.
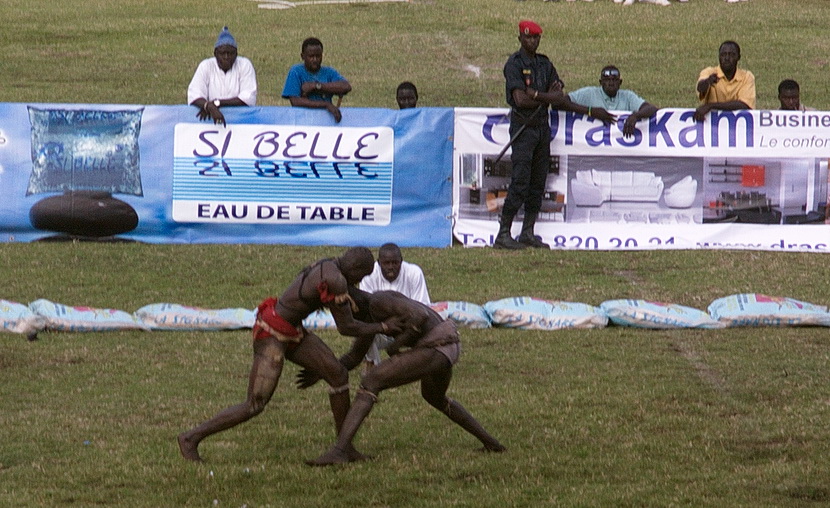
[[609, 96], [312, 85]]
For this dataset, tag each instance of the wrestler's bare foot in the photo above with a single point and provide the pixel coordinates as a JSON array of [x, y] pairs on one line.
[[356, 456], [333, 456], [493, 447], [188, 448]]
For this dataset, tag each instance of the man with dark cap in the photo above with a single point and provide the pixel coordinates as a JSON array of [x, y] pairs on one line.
[[532, 85], [609, 96], [279, 334], [224, 80]]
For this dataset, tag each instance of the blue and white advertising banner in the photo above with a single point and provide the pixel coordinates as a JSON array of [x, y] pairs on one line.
[[283, 174], [738, 180], [271, 175]]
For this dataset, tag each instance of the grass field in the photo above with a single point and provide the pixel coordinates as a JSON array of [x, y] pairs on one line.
[[145, 52], [613, 417]]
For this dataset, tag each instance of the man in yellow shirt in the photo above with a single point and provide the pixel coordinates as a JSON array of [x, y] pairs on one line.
[[725, 87]]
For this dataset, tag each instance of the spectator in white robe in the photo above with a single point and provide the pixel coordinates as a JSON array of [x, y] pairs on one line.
[[224, 80]]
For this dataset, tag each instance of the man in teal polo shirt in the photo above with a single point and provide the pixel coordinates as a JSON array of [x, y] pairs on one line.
[[609, 97], [311, 84]]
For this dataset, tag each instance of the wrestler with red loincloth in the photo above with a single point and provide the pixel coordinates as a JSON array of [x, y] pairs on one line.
[[279, 334]]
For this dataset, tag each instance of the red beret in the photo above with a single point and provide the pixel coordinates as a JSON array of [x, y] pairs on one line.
[[529, 28]]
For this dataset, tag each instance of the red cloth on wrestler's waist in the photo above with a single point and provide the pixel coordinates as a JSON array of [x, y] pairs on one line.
[[267, 312]]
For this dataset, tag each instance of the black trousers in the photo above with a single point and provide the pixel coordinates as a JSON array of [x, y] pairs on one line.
[[531, 162]]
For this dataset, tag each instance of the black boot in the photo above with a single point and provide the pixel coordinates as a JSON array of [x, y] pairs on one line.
[[503, 239], [526, 237]]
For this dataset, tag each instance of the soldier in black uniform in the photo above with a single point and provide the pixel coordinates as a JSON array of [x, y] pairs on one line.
[[532, 84]]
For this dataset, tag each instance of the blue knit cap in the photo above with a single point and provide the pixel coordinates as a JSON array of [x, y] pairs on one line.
[[225, 39]]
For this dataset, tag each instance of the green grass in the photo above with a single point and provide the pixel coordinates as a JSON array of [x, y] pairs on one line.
[[145, 52], [612, 417]]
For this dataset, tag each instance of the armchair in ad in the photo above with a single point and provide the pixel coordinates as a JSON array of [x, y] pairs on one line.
[[681, 194]]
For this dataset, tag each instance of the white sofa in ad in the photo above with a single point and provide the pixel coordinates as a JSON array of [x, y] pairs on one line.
[[594, 187]]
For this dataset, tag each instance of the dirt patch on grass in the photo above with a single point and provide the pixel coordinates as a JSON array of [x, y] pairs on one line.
[[706, 373], [809, 493], [631, 276], [777, 448]]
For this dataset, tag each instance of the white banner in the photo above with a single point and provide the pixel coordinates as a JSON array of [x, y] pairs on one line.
[[738, 180], [250, 174]]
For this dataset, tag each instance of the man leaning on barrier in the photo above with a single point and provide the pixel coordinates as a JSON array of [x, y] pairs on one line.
[[227, 79]]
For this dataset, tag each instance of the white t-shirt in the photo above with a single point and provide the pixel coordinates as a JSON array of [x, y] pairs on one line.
[[410, 282], [210, 82]]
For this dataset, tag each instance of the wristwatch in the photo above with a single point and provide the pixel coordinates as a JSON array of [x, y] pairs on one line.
[[216, 102], [317, 85]]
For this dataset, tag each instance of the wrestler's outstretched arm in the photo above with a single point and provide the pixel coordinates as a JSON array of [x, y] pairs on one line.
[[354, 356], [351, 327]]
